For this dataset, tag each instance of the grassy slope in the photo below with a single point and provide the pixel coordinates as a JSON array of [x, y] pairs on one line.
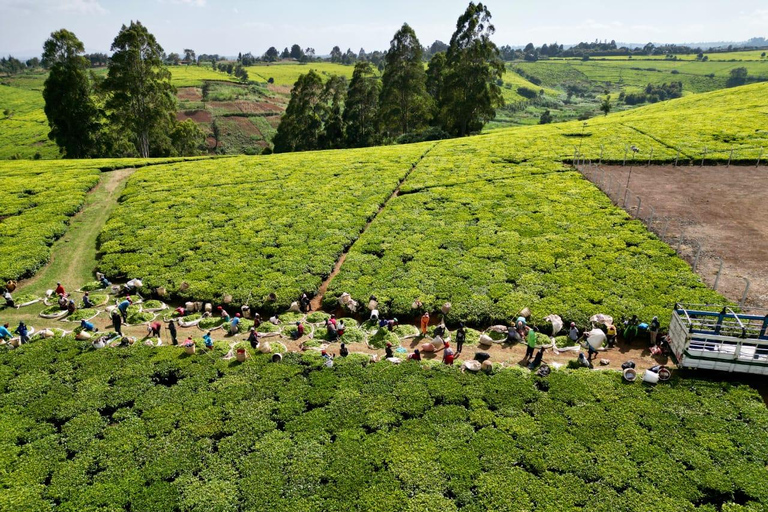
[[287, 74]]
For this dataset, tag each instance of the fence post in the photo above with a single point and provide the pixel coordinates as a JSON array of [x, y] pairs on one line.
[[746, 289], [704, 157], [759, 157], [626, 195], [696, 258], [650, 158], [719, 271], [601, 154], [664, 231], [680, 242], [575, 152], [730, 157], [677, 157], [625, 157], [650, 219], [639, 203]]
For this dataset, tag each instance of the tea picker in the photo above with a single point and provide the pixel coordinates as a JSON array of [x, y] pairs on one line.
[[5, 334]]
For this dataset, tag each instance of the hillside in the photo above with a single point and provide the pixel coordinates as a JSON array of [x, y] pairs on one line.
[[491, 224], [590, 81], [246, 116]]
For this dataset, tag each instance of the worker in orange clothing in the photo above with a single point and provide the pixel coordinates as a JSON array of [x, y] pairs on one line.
[[424, 323]]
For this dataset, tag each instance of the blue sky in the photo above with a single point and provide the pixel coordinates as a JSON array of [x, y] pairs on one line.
[[226, 27]]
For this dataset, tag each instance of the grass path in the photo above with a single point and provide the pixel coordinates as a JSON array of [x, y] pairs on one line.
[[73, 256]]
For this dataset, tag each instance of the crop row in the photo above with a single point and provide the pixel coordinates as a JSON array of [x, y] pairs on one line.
[[506, 237], [248, 227], [147, 429]]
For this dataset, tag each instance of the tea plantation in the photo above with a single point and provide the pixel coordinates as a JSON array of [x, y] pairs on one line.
[[147, 429], [249, 227], [491, 224]]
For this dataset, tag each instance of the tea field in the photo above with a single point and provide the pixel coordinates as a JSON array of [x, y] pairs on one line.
[[249, 227], [286, 74], [146, 429], [519, 236], [39, 198], [23, 125]]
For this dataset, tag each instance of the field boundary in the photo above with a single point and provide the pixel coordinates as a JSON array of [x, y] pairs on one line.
[[316, 303]]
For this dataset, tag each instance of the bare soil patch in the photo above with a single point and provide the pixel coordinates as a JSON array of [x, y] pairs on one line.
[[244, 125], [258, 107], [189, 94], [198, 116], [274, 121], [279, 89], [723, 208]]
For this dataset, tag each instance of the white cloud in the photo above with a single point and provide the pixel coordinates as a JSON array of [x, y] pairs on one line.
[[81, 6], [77, 6], [198, 3], [758, 18]]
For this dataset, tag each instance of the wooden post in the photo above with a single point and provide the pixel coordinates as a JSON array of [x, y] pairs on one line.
[[650, 157], [625, 157], [746, 290], [730, 157], [717, 278], [704, 157], [759, 157], [601, 154], [677, 157]]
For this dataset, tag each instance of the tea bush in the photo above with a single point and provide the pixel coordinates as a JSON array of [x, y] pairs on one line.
[[157, 429]]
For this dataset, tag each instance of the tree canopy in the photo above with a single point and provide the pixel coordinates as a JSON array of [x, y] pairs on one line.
[[405, 104], [72, 114], [141, 98], [471, 92]]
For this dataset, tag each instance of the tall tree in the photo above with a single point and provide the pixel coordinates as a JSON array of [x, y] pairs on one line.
[[302, 125], [272, 54], [72, 114], [141, 98], [471, 92], [336, 54], [332, 99], [361, 111], [405, 105], [189, 55], [286, 53], [296, 52], [436, 80]]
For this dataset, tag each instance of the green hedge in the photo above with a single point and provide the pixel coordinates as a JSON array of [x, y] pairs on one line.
[[157, 429]]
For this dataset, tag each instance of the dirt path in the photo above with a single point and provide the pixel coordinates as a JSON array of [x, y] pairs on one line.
[[317, 301], [73, 256], [720, 207]]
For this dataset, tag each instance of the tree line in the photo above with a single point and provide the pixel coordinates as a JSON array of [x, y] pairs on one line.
[[455, 95], [130, 112]]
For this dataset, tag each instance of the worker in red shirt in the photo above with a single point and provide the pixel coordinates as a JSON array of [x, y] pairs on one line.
[[154, 329], [60, 289]]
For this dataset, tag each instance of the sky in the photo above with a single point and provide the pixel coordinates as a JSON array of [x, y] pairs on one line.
[[227, 27]]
